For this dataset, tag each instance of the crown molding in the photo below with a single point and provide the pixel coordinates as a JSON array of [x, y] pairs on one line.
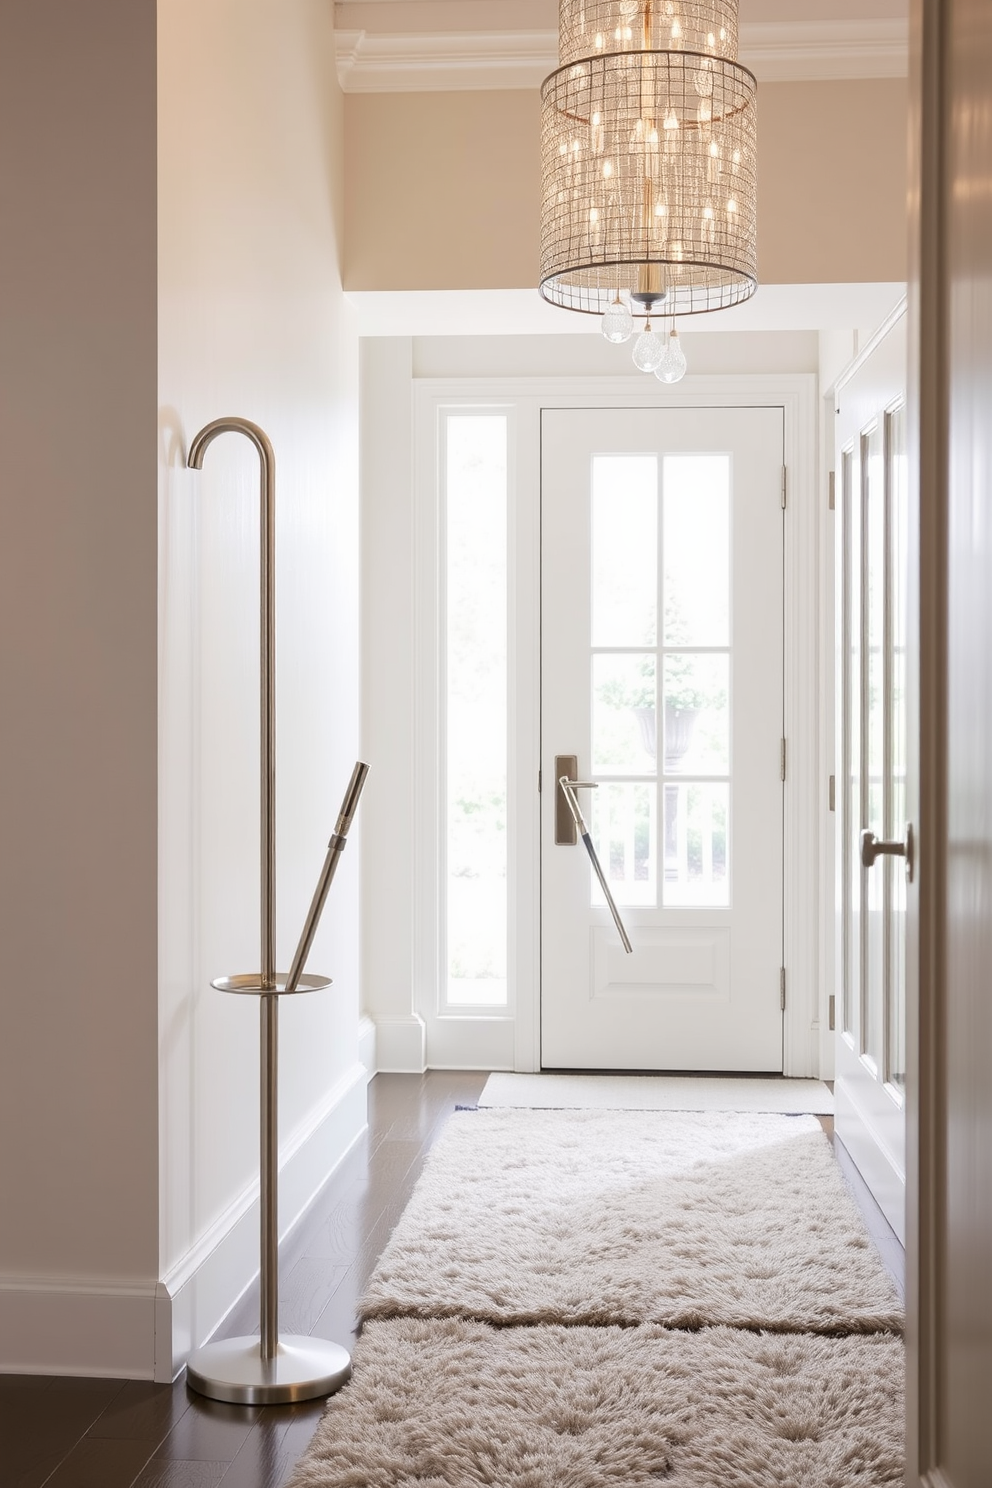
[[432, 62]]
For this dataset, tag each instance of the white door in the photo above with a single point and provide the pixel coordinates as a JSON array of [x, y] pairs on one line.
[[662, 672], [872, 570]]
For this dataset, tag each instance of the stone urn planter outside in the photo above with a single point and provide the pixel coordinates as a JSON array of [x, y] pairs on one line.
[[679, 725]]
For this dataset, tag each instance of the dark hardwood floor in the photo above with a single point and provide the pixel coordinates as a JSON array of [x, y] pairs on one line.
[[82, 1433]]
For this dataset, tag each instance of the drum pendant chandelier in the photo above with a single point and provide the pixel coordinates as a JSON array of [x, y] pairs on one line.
[[648, 146]]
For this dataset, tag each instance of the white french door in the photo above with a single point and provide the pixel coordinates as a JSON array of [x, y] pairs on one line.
[[662, 673], [871, 583]]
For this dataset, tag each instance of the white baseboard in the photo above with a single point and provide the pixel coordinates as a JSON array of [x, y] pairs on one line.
[[216, 1272], [79, 1326], [401, 1045], [144, 1330], [367, 1050]]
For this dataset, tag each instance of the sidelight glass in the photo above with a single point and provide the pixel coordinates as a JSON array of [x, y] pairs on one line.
[[475, 657]]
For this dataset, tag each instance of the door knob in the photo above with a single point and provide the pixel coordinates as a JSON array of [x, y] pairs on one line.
[[872, 848]]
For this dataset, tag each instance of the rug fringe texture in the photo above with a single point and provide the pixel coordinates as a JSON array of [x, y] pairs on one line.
[[589, 1299]]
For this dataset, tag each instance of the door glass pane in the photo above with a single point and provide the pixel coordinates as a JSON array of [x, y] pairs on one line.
[[873, 743], [623, 713], [476, 713], [697, 550], [624, 550], [697, 714], [696, 843], [622, 824], [852, 750], [842, 857], [896, 813]]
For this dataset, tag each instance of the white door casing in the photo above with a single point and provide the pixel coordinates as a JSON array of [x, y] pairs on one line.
[[413, 713], [644, 513]]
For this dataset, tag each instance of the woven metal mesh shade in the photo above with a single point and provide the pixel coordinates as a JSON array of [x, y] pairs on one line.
[[648, 163], [589, 28]]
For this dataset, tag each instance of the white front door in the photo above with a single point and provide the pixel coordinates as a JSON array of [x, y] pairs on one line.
[[662, 672], [871, 579]]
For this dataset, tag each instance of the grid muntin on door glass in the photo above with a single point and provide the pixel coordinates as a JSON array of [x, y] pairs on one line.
[[663, 835]]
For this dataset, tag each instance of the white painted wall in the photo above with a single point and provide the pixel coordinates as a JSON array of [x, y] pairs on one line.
[[251, 322]]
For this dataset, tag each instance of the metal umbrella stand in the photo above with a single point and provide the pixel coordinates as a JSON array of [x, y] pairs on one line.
[[266, 1369]]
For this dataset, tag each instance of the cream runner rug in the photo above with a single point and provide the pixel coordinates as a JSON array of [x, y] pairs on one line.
[[477, 1366], [658, 1093], [458, 1403], [590, 1217]]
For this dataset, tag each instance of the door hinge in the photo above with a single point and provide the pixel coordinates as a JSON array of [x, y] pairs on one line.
[[785, 487], [831, 490], [832, 793], [539, 787], [832, 1013], [781, 985], [782, 761]]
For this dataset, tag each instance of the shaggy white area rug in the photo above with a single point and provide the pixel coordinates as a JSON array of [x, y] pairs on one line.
[[690, 1220], [657, 1093], [439, 1403]]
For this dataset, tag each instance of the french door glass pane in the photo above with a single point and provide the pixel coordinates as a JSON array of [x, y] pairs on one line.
[[687, 731], [697, 550], [896, 822], [697, 713], [852, 804], [476, 707], [697, 847], [624, 550], [622, 818], [623, 713], [873, 785]]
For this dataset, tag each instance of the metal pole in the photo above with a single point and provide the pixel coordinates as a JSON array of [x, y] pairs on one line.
[[269, 1005], [267, 1370]]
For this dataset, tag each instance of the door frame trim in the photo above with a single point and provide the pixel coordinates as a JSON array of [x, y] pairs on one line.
[[806, 817]]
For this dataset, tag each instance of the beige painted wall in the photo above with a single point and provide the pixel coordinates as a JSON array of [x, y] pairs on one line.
[[443, 189], [78, 1046]]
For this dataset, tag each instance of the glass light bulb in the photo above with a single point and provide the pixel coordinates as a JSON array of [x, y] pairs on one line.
[[673, 363], [618, 323], [649, 348]]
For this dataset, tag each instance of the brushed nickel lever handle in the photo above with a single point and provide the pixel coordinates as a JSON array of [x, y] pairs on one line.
[[872, 848]]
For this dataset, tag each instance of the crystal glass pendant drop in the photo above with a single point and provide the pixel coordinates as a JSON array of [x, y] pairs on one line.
[[649, 349], [618, 323], [673, 364]]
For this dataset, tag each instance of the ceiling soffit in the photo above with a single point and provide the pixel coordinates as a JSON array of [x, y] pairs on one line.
[[376, 62]]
